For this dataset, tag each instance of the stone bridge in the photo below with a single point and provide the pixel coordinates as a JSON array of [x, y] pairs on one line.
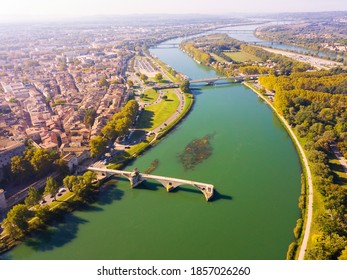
[[211, 81], [137, 178]]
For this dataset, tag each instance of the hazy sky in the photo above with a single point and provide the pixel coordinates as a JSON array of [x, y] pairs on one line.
[[16, 9]]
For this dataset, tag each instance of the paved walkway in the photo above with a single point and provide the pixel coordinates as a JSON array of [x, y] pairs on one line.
[[338, 155]]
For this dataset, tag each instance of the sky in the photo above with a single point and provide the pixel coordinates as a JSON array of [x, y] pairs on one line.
[[22, 9]]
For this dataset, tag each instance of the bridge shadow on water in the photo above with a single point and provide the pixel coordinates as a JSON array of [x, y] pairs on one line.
[[218, 196], [152, 186], [199, 88]]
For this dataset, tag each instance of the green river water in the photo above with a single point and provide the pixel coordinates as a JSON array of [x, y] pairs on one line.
[[253, 166]]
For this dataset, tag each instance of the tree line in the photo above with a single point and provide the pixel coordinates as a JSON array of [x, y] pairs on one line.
[[35, 163], [30, 216], [118, 126]]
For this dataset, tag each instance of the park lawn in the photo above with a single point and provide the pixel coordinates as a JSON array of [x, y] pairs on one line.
[[218, 58], [150, 95], [340, 176], [156, 114], [242, 56]]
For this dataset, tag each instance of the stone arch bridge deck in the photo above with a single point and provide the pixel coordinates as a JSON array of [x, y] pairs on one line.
[[169, 183]]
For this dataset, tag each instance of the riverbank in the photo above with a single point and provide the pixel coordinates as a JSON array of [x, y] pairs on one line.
[[306, 167]]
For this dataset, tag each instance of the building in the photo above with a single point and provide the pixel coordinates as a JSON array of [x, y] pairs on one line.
[[3, 204], [9, 149], [71, 161]]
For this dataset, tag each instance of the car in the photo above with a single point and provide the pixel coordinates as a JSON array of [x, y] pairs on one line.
[[43, 202], [59, 194], [61, 190]]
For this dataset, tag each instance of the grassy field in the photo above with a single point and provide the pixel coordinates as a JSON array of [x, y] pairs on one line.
[[156, 114], [218, 58], [340, 176], [242, 56], [189, 99], [150, 95], [165, 68]]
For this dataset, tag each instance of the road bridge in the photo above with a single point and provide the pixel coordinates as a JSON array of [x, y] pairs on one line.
[[237, 30], [211, 81], [169, 183], [166, 46]]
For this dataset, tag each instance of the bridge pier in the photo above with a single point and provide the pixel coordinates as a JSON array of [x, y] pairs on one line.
[[134, 177]]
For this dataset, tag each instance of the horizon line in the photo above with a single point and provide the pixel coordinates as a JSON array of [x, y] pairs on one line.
[[49, 18]]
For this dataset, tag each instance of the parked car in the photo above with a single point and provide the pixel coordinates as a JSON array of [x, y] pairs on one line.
[[43, 202]]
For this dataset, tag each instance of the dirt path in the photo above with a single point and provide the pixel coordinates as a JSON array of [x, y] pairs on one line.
[[309, 208], [338, 155]]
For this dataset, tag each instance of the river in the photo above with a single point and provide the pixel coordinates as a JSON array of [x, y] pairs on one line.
[[250, 38], [254, 167]]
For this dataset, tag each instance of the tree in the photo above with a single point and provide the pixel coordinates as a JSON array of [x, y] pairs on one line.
[[89, 117], [69, 182], [97, 146], [122, 126], [62, 166], [109, 130], [130, 83], [164, 97], [33, 197], [143, 77], [103, 83], [51, 187], [20, 167], [16, 222], [43, 214], [88, 178], [343, 255], [327, 247], [82, 187], [184, 86], [158, 77], [41, 161]]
